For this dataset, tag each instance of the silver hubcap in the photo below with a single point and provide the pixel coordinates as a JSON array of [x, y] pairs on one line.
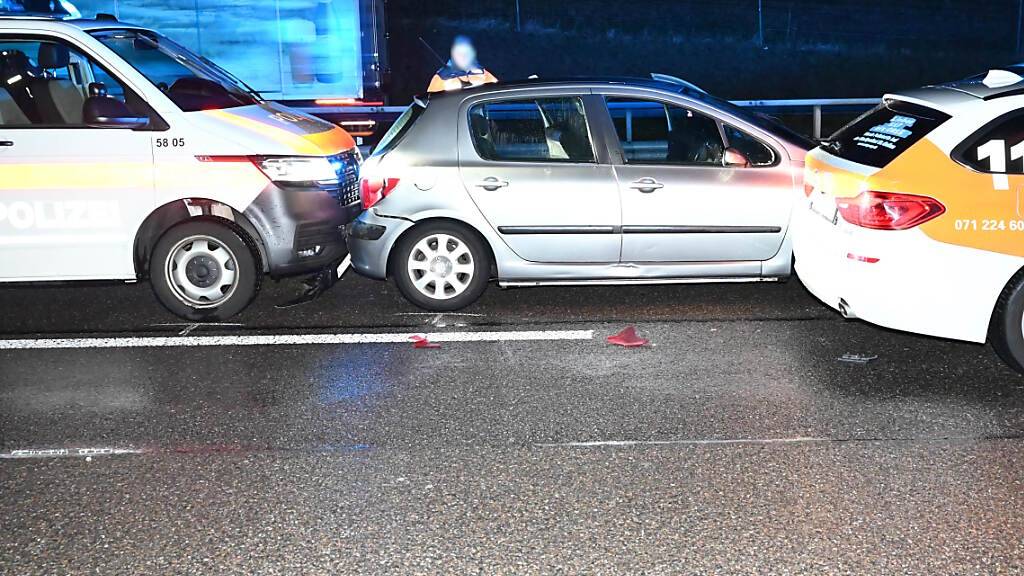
[[441, 266], [201, 271]]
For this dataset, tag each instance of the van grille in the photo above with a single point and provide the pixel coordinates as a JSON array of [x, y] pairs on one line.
[[346, 165]]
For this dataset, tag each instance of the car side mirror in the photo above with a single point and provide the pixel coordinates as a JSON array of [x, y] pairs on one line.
[[733, 158], [107, 112]]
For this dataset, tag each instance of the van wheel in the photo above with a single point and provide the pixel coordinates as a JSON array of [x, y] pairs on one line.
[[203, 271], [1006, 332], [441, 266]]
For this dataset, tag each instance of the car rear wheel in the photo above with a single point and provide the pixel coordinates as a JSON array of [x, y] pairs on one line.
[[441, 266], [204, 271], [1006, 333]]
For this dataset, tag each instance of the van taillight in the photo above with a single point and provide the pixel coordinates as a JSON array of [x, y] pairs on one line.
[[373, 190], [889, 211]]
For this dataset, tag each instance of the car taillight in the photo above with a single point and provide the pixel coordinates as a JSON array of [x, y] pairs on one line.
[[373, 190], [889, 211]]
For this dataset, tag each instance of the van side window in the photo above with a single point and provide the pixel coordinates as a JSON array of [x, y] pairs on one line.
[[653, 132], [998, 148], [533, 130], [758, 153], [47, 83]]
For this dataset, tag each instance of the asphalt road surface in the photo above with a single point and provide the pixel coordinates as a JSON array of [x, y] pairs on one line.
[[318, 440]]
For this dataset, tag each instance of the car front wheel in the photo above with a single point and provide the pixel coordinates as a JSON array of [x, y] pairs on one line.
[[204, 271], [441, 266]]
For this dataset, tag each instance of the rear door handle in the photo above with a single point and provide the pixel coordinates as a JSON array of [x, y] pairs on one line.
[[492, 183], [647, 185], [6, 143]]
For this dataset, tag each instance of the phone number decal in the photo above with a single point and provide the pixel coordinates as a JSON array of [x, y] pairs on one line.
[[988, 225]]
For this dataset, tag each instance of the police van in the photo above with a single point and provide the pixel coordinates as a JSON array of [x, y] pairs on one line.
[[124, 156]]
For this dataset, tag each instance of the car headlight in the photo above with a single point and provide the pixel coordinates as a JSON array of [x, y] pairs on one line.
[[299, 170]]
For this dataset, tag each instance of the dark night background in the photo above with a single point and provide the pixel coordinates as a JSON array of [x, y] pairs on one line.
[[810, 49]]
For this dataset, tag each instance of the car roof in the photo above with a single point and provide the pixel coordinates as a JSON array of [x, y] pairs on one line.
[[950, 96], [574, 82], [55, 22]]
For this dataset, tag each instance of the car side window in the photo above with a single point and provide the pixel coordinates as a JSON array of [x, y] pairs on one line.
[[758, 153], [48, 83], [532, 130], [653, 132], [997, 149]]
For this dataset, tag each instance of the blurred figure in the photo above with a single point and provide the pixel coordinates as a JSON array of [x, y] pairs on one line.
[[462, 70]]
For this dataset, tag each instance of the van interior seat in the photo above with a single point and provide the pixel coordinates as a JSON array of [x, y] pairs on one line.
[[61, 100], [10, 112]]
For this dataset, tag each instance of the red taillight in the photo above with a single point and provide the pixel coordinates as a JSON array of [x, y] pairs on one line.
[[373, 190], [889, 211]]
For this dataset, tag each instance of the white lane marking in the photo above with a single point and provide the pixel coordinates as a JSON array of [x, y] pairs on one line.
[[66, 452], [627, 443], [344, 266], [290, 339], [435, 313]]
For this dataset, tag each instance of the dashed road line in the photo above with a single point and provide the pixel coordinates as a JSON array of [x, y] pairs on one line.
[[66, 453], [289, 339]]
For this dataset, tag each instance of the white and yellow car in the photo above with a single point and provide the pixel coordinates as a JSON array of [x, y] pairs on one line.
[[125, 156], [914, 217]]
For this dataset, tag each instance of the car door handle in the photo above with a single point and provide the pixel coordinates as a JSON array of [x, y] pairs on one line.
[[492, 184], [6, 143], [647, 185]]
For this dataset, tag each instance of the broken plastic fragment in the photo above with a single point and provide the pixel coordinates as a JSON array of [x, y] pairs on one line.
[[857, 358], [627, 338], [421, 342]]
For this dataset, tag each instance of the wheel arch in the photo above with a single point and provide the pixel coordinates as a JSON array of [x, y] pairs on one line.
[[448, 220], [173, 213]]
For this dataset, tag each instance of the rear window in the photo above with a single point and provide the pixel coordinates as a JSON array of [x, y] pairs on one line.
[[399, 129], [550, 129], [878, 137]]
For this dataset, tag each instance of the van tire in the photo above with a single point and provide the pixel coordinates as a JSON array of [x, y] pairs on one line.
[[204, 270], [1005, 331], [465, 255]]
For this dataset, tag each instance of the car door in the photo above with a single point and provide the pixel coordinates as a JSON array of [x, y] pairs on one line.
[[529, 164], [680, 201], [71, 196]]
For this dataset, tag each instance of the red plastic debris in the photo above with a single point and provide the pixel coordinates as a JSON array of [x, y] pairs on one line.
[[628, 338], [421, 342]]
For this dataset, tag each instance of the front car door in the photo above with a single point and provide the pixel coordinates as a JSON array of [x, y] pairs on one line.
[[681, 202], [71, 195], [530, 165]]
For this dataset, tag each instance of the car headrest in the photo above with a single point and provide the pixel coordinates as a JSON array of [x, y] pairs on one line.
[[52, 56]]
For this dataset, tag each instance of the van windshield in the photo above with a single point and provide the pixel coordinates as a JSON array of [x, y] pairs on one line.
[[192, 82]]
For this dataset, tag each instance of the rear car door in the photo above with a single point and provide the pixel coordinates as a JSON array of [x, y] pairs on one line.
[[529, 163], [71, 196], [680, 201]]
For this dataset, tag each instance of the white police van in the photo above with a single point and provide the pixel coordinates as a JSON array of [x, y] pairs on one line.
[[124, 156]]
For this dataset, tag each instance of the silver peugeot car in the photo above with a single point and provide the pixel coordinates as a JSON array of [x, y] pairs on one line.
[[576, 182]]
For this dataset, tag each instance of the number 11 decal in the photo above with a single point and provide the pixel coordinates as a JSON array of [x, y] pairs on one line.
[[995, 152]]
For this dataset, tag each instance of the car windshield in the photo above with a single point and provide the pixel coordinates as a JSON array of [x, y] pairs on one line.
[[762, 121], [189, 80]]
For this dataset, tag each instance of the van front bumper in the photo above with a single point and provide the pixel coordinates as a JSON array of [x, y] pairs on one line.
[[302, 229]]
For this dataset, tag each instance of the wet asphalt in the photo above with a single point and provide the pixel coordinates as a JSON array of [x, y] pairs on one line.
[[737, 442]]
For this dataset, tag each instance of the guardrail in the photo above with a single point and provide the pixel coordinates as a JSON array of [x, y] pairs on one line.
[[815, 106]]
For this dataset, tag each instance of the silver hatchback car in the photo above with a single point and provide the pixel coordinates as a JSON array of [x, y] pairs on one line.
[[576, 182]]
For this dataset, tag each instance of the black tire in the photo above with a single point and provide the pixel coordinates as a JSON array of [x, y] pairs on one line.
[[1005, 332], [213, 236], [477, 255]]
